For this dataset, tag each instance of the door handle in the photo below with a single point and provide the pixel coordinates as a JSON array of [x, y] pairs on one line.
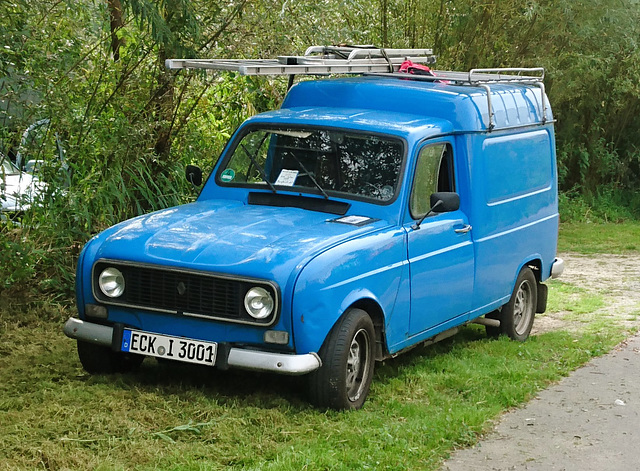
[[463, 230]]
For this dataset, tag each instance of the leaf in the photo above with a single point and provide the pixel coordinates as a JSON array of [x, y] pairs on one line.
[[189, 427], [164, 437]]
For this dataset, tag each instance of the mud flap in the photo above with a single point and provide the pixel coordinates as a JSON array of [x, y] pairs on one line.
[[543, 293]]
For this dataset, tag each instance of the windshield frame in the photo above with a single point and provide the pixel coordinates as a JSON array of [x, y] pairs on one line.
[[311, 190]]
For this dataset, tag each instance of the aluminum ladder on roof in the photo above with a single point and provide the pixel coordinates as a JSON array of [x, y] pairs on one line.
[[317, 60]]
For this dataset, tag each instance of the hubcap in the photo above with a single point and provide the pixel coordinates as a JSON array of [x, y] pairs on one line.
[[523, 307], [358, 364]]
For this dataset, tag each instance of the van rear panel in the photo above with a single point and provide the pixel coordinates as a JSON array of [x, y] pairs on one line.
[[514, 211]]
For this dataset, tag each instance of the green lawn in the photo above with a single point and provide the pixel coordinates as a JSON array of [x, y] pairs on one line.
[[422, 406], [599, 238]]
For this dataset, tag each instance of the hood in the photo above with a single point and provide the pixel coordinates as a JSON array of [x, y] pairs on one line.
[[228, 237], [18, 191]]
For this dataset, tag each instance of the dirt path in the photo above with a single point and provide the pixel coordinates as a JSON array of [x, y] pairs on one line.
[[590, 421], [615, 278]]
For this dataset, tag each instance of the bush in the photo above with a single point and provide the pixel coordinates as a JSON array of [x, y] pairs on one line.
[[18, 260], [605, 205]]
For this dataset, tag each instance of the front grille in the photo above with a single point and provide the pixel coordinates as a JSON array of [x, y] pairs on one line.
[[201, 294], [183, 292]]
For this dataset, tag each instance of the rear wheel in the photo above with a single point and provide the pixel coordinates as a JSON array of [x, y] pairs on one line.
[[516, 317], [97, 359], [343, 380]]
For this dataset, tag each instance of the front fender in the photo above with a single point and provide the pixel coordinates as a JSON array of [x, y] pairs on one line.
[[83, 274], [370, 267]]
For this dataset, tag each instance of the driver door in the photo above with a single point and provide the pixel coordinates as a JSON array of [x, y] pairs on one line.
[[440, 250]]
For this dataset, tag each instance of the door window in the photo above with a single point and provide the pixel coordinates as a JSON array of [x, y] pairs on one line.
[[434, 173]]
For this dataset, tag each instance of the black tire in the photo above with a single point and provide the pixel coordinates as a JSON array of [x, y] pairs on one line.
[[516, 317], [343, 380], [97, 359]]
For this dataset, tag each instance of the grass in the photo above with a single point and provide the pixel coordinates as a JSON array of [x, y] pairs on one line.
[[422, 406], [588, 238], [574, 299]]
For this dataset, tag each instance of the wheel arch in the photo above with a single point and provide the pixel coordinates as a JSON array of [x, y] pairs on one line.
[[534, 262], [375, 312], [366, 273], [536, 266]]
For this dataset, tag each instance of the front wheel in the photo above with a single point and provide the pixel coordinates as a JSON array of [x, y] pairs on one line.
[[343, 380], [516, 317]]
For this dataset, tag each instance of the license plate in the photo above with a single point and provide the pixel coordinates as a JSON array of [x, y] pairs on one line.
[[171, 348]]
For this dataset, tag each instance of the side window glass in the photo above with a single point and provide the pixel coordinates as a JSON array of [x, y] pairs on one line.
[[434, 172]]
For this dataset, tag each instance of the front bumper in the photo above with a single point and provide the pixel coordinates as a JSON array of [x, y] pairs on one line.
[[256, 360]]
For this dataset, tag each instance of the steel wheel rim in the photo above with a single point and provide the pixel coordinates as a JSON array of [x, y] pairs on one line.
[[358, 361], [523, 307]]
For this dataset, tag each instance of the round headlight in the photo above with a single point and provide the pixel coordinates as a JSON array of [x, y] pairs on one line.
[[258, 303], [111, 282]]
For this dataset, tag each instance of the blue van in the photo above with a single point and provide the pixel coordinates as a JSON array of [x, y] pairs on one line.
[[368, 215]]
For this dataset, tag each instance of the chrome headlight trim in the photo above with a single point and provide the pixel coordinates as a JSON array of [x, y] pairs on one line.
[[258, 303], [111, 282]]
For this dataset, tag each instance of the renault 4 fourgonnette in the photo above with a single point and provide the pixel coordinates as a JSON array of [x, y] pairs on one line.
[[366, 216]]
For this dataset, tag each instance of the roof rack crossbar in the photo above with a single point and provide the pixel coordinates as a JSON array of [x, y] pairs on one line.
[[485, 77]]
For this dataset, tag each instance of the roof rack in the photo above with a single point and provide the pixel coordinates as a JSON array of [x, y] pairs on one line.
[[323, 60], [523, 75], [484, 78]]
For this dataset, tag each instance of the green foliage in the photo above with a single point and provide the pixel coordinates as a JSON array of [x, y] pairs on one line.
[[602, 206], [108, 118], [172, 23], [128, 126], [18, 260]]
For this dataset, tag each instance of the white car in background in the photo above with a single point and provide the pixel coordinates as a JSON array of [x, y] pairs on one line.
[[18, 190]]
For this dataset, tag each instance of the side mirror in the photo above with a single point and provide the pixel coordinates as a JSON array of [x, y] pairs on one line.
[[194, 175], [441, 202], [32, 166], [449, 202]]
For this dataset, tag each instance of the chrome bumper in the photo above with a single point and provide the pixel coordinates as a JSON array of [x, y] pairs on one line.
[[557, 267], [256, 360]]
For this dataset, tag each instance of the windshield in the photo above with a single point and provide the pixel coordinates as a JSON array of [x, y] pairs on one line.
[[7, 168], [318, 161]]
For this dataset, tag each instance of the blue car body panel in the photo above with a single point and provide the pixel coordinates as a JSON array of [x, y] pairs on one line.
[[417, 283]]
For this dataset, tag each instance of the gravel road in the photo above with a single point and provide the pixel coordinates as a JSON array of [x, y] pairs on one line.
[[590, 421]]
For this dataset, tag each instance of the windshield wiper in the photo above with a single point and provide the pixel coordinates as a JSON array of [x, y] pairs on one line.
[[311, 177], [259, 167]]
